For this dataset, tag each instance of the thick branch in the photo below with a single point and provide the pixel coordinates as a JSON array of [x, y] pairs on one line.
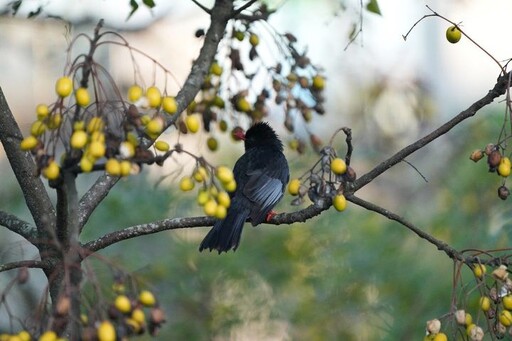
[[220, 14], [450, 251], [24, 168], [498, 90], [179, 223], [16, 225]]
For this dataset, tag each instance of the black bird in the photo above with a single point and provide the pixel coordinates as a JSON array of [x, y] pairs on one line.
[[261, 175]]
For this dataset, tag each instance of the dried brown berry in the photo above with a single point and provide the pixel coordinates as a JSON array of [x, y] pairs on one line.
[[503, 192], [476, 155], [493, 160]]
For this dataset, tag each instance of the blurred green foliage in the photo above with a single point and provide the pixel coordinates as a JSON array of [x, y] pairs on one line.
[[341, 276]]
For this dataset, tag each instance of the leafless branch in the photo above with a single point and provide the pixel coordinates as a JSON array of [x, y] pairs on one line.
[[23, 264], [19, 226]]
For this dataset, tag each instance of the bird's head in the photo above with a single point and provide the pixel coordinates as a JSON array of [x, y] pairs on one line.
[[260, 135]]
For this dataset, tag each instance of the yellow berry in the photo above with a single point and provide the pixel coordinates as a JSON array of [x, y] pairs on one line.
[[229, 186], [95, 124], [24, 335], [212, 143], [96, 149], [86, 164], [155, 126], [64, 86], [106, 331], [169, 105], [294, 186], [145, 119], [339, 202], [42, 111], [505, 318], [338, 166], [113, 167], [485, 303], [146, 298], [224, 174], [123, 304], [224, 199], [453, 34], [28, 143], [186, 184], [440, 337], [37, 128], [55, 121], [254, 39], [200, 174], [202, 197], [134, 93], [220, 212], [507, 302], [469, 328], [162, 146], [468, 319], [48, 336], [78, 139], [51, 171], [216, 69], [210, 207], [192, 122], [138, 316], [243, 105], [239, 35], [504, 167], [154, 97], [318, 82], [479, 270], [82, 97], [78, 125], [126, 168]]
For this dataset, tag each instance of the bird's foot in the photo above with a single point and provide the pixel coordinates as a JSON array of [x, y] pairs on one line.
[[270, 215]]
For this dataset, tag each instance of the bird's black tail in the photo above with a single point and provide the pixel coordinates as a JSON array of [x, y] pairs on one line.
[[225, 234]]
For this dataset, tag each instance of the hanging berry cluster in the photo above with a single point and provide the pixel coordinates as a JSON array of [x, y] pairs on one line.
[[237, 90], [498, 163], [327, 179], [487, 307]]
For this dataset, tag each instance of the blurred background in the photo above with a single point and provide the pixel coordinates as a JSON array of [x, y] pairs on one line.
[[340, 276]]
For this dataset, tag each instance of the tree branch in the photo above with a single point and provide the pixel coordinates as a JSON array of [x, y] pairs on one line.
[[19, 226], [220, 15], [23, 264], [499, 89], [24, 169], [450, 251], [179, 223]]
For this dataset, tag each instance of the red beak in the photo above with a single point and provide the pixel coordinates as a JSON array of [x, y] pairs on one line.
[[239, 134]]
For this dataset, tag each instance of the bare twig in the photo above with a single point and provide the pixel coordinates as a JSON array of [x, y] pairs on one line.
[[201, 6], [23, 264]]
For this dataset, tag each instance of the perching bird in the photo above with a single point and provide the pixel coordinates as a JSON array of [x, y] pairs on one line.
[[261, 175]]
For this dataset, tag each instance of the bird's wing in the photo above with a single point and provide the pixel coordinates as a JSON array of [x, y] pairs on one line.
[[264, 191]]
